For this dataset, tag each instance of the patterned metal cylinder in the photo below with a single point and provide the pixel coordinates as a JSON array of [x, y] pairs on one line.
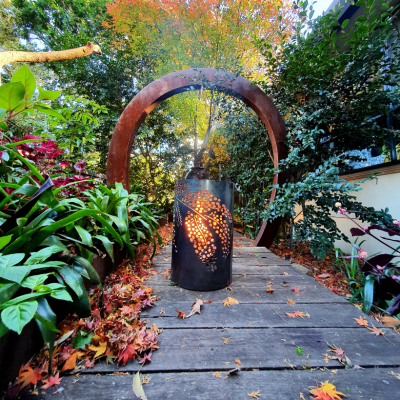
[[202, 234]]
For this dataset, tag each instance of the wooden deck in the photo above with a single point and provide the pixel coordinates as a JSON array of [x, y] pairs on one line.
[[192, 349]]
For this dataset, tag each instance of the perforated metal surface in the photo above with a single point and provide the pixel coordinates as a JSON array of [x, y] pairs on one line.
[[202, 235]]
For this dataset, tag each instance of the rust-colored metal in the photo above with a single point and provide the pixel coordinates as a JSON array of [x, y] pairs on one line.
[[167, 86]]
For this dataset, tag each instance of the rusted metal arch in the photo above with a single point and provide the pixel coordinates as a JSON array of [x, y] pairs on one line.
[[169, 85]]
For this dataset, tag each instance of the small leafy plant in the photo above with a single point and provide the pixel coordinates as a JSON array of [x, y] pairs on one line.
[[381, 283]]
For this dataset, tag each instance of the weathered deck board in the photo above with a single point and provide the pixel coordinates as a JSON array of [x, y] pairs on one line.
[[274, 385], [263, 342], [263, 316], [204, 349]]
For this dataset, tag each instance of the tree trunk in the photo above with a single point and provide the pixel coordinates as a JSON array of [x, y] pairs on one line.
[[7, 57]]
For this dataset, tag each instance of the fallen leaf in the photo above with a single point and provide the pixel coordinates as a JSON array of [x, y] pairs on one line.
[[270, 290], [254, 395], [301, 396], [250, 324], [397, 376], [229, 301], [52, 381], [181, 314], [237, 361], [284, 273], [100, 349], [326, 391], [324, 276], [290, 301], [145, 379], [196, 307], [226, 340], [137, 387], [361, 321], [226, 363], [270, 283], [217, 374], [298, 314], [162, 311], [375, 331], [233, 371], [390, 322], [70, 363], [89, 364], [296, 290]]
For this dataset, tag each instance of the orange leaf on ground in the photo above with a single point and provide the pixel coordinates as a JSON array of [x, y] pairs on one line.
[[298, 314], [290, 301], [229, 301], [254, 395], [237, 361], [100, 349], [181, 314], [390, 322], [375, 331], [52, 381], [70, 363], [361, 321], [270, 290], [326, 391], [28, 375]]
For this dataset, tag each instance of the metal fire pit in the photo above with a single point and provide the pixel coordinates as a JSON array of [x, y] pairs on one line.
[[202, 234]]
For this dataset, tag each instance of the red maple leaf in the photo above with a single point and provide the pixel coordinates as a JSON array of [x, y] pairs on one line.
[[147, 357], [127, 354], [181, 314], [52, 381]]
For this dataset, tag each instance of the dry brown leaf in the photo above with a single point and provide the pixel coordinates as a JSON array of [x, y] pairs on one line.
[[270, 283], [237, 361], [397, 376], [270, 290], [390, 322], [226, 339], [375, 331], [254, 395], [233, 371], [217, 374], [301, 396], [195, 308], [145, 379], [324, 276], [290, 301]]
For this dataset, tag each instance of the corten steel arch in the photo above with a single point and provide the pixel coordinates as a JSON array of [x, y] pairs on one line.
[[163, 88]]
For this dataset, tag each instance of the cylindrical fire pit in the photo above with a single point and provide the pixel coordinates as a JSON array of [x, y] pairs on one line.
[[202, 234]]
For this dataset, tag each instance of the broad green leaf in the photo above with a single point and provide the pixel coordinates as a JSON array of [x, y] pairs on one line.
[[34, 280], [11, 259], [107, 244], [7, 291], [82, 339], [48, 94], [10, 95], [14, 274], [345, 22], [25, 76], [46, 320], [42, 255], [93, 275], [16, 317], [368, 295], [61, 295], [4, 240], [21, 299], [72, 279], [49, 111]]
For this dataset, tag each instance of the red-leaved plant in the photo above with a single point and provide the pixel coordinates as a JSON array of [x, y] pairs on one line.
[[47, 155], [382, 271]]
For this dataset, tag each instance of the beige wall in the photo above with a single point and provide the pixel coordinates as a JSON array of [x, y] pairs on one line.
[[381, 194]]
